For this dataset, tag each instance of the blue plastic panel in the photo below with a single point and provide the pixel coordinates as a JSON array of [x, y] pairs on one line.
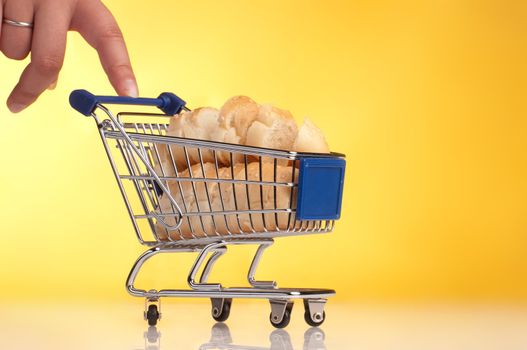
[[320, 186]]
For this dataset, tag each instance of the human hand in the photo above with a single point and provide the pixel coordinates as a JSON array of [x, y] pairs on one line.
[[46, 40]]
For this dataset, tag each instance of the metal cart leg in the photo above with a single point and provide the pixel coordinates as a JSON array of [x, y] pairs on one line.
[[210, 264], [254, 265], [135, 270], [218, 247]]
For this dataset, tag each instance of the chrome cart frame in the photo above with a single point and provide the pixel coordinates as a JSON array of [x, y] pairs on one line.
[[144, 161]]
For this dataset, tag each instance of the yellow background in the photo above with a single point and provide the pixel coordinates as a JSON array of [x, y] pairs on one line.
[[426, 98]]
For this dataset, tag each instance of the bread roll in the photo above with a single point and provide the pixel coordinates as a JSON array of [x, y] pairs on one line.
[[240, 121], [200, 124], [273, 128], [220, 198], [239, 113], [310, 139]]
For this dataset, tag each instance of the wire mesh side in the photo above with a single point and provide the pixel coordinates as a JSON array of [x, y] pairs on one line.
[[222, 191]]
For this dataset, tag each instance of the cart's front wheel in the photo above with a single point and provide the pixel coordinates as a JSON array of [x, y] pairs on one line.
[[221, 309], [314, 313], [152, 315], [285, 320], [314, 322], [283, 309]]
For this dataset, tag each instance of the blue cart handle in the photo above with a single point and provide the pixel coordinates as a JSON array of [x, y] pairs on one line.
[[86, 102]]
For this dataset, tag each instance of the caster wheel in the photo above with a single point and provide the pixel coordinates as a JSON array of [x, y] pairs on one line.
[[152, 315], [285, 319], [223, 314], [309, 321]]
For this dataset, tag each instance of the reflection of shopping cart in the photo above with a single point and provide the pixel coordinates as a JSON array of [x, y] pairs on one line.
[[152, 339], [135, 143], [221, 338], [279, 340]]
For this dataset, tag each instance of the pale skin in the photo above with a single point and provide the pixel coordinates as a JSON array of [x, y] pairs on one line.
[[46, 43]]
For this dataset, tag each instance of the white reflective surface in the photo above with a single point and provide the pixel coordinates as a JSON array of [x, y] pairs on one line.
[[188, 325]]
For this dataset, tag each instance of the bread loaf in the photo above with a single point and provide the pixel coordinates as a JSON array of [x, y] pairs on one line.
[[218, 208], [214, 200], [240, 121]]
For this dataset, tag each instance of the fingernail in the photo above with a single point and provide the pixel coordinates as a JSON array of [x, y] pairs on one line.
[[130, 88], [16, 107]]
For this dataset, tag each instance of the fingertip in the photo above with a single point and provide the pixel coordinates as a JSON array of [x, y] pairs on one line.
[[16, 107], [129, 88]]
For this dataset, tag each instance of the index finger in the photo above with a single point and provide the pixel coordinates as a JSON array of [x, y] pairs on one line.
[[98, 27]]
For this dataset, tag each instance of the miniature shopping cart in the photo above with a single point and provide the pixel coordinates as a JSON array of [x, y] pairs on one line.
[[140, 153]]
